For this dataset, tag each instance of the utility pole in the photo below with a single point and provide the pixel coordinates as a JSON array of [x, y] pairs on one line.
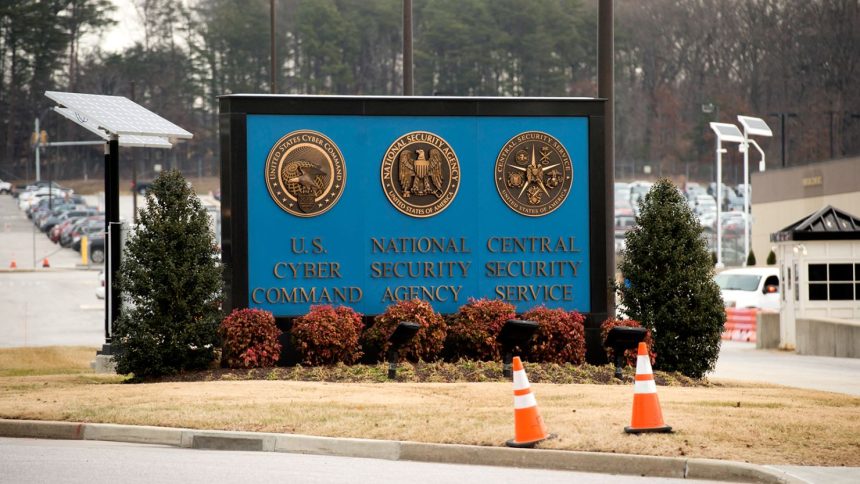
[[38, 149], [782, 116], [272, 44], [407, 48], [605, 89]]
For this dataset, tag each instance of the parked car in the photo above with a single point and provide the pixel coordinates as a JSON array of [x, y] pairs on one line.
[[66, 215], [750, 287], [693, 189], [89, 231], [703, 205], [5, 187], [97, 248]]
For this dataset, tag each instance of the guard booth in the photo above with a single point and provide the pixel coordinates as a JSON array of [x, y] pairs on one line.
[[819, 263], [364, 201]]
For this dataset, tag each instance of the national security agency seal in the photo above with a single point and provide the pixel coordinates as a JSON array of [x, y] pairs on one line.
[[305, 173], [533, 173], [420, 174]]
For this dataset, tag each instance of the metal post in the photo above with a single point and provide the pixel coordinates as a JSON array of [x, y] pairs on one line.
[[605, 89], [746, 147], [115, 239], [392, 364], [38, 148], [272, 43], [507, 364], [719, 204], [782, 136], [133, 171], [108, 218], [407, 48]]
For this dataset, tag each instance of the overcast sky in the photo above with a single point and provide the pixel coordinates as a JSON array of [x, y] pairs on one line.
[[125, 33]]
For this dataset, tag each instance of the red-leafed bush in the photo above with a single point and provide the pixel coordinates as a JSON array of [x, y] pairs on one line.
[[473, 330], [428, 341], [249, 339], [560, 337], [630, 355], [327, 335]]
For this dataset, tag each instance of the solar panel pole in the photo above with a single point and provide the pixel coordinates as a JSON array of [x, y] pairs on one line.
[[108, 274], [115, 238], [752, 126], [720, 151]]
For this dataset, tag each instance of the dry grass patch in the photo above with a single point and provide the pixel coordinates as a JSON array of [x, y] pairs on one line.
[[772, 425], [45, 360]]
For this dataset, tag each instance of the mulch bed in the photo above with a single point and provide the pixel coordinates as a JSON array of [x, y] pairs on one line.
[[435, 372]]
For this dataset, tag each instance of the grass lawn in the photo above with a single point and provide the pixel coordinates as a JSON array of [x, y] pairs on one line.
[[752, 423]]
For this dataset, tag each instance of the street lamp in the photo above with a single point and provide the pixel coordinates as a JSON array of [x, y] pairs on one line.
[[729, 133], [755, 127]]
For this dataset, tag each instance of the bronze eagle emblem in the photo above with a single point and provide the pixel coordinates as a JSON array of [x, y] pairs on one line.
[[421, 176]]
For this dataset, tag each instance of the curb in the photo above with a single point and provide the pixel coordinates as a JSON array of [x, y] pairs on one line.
[[625, 464]]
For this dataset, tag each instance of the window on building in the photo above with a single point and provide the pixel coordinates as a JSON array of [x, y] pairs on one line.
[[834, 282]]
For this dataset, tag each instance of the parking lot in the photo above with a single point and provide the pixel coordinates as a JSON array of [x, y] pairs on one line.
[[44, 306]]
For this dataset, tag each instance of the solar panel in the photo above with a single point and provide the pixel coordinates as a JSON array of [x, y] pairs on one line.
[[128, 140], [118, 115], [755, 126], [728, 132]]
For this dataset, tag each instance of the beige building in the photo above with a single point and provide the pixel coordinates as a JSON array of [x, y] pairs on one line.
[[780, 197]]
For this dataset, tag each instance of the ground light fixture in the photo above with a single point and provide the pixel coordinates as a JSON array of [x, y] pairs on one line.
[[403, 333], [728, 133], [752, 127], [621, 339], [515, 332]]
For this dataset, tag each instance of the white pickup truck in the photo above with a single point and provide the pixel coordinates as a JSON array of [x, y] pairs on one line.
[[750, 287]]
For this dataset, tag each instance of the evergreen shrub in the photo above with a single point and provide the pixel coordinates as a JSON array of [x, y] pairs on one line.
[[170, 283], [428, 341], [771, 258], [560, 337], [751, 259], [473, 330], [327, 335], [250, 339], [631, 354], [671, 290]]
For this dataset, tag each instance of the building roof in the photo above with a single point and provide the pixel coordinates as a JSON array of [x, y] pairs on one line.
[[829, 223]]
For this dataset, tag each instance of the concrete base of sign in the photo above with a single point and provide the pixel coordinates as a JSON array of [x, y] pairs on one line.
[[103, 364]]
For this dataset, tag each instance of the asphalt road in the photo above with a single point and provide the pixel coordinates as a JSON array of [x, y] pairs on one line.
[[742, 361], [93, 462]]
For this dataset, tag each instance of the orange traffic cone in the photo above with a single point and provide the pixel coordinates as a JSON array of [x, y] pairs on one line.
[[45, 262], [529, 428], [647, 416], [13, 265]]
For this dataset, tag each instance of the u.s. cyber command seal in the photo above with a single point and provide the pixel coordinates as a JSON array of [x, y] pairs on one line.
[[420, 174], [533, 173], [305, 173]]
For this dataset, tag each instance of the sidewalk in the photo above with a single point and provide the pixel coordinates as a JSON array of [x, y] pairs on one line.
[[623, 464]]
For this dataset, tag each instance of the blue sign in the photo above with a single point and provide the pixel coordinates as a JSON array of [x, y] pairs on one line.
[[439, 208]]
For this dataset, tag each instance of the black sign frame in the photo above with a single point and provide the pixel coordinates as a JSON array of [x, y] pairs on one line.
[[233, 111]]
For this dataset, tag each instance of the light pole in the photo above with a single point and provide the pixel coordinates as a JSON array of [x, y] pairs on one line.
[[755, 127], [729, 133]]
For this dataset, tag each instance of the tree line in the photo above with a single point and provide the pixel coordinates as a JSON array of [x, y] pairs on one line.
[[680, 64]]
